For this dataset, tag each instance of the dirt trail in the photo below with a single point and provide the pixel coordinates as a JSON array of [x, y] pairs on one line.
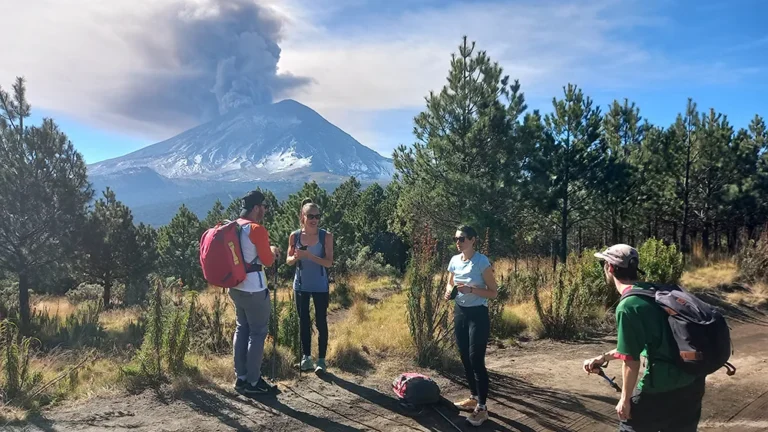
[[536, 386]]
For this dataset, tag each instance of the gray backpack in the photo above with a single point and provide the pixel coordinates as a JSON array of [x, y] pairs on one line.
[[700, 330]]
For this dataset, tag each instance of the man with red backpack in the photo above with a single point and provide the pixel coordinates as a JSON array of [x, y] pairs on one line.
[[251, 296], [682, 338]]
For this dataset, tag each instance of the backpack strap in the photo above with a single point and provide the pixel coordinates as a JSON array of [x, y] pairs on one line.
[[296, 239], [322, 234], [250, 267]]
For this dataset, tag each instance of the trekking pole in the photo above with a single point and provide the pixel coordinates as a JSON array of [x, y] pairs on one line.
[[446, 418], [611, 381], [277, 321]]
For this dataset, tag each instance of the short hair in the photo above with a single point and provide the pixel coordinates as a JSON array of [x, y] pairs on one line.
[[626, 273], [468, 230]]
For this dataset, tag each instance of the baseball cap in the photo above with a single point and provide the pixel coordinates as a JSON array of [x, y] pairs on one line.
[[621, 255], [251, 200]]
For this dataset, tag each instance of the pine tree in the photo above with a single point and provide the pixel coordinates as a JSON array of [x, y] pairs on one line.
[[215, 215], [178, 247], [44, 192], [368, 220], [458, 168], [568, 161], [622, 172], [685, 153], [110, 247]]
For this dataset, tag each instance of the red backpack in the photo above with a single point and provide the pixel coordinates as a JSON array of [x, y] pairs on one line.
[[221, 255]]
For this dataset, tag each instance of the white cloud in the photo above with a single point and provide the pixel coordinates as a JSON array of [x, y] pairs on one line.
[[80, 55]]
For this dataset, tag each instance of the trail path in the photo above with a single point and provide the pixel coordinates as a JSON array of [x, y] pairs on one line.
[[536, 386]]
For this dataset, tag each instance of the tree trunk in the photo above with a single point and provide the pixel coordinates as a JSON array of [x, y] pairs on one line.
[[614, 229], [107, 298], [674, 235], [24, 301], [705, 239]]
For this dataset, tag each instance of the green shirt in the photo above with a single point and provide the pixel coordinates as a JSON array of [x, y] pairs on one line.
[[643, 329]]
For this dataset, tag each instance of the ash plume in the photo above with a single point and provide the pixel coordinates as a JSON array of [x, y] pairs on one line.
[[205, 59]]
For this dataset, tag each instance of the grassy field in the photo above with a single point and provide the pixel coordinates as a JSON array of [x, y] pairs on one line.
[[366, 334]]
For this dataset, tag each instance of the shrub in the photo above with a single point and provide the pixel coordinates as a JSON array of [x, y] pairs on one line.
[[662, 264], [18, 377], [428, 311], [166, 341], [753, 260], [575, 291], [81, 328], [85, 292], [9, 299], [342, 293], [288, 333], [213, 332], [369, 264], [496, 307]]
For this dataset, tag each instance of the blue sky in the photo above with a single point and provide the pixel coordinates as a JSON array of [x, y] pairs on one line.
[[372, 62]]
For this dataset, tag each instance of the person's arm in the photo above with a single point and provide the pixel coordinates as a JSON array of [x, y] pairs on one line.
[[291, 258], [449, 286], [326, 262], [260, 238], [630, 371]]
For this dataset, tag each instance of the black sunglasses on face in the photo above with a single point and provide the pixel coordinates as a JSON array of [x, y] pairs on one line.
[[459, 239], [313, 216]]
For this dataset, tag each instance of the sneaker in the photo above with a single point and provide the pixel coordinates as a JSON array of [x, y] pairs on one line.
[[239, 385], [261, 387], [468, 404], [320, 367], [478, 416], [306, 364]]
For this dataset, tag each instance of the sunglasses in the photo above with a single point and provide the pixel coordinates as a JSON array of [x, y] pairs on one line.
[[459, 239], [313, 216]]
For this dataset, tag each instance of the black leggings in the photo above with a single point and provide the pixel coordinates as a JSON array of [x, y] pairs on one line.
[[320, 299], [472, 327]]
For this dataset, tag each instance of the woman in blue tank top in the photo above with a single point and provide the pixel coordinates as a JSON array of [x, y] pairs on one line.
[[310, 249]]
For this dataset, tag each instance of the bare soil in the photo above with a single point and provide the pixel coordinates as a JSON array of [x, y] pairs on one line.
[[535, 386]]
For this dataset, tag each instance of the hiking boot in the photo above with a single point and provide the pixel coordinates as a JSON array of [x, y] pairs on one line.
[[306, 364], [468, 404], [239, 385], [261, 387], [320, 367], [478, 416]]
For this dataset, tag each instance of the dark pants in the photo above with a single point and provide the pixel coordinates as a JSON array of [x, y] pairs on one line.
[[472, 327], [673, 411], [320, 299]]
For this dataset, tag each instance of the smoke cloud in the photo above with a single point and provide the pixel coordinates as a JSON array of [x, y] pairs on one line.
[[204, 59]]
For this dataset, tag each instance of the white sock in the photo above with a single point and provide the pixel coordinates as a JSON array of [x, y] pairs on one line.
[[242, 377], [473, 397], [482, 407]]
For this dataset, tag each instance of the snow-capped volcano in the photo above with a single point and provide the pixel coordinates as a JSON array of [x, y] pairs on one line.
[[281, 141]]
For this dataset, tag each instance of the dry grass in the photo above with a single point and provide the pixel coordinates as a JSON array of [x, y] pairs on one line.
[[378, 330], [710, 277], [526, 314], [54, 305], [756, 297]]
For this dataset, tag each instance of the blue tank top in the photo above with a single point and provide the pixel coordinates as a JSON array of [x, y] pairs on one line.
[[310, 276]]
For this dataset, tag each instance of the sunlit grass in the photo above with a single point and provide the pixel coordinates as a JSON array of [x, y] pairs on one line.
[[710, 277]]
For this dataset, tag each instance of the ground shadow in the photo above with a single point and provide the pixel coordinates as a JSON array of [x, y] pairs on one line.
[[226, 412], [37, 420], [268, 404], [743, 314], [551, 409], [427, 417]]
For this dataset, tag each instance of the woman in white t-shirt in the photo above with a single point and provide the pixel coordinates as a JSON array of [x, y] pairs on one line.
[[471, 276]]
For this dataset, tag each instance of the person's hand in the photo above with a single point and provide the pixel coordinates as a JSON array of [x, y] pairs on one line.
[[447, 294], [302, 254], [623, 409], [592, 364], [464, 289], [275, 251]]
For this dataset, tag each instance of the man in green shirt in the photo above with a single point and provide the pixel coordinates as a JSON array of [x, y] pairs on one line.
[[665, 398]]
